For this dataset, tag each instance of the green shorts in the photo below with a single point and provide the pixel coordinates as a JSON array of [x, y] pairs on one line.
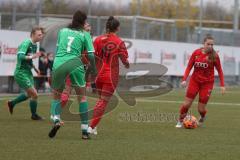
[[72, 69], [24, 80]]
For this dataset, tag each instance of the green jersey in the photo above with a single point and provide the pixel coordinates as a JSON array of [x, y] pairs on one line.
[[70, 45], [26, 48]]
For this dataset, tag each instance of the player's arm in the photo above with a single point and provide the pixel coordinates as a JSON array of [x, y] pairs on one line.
[[220, 73], [189, 67], [91, 58], [84, 58], [58, 40], [219, 70], [123, 54], [22, 52], [90, 50], [96, 47], [188, 70], [97, 52]]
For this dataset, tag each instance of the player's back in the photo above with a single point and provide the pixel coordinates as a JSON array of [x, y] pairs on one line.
[[107, 50], [107, 47], [70, 45]]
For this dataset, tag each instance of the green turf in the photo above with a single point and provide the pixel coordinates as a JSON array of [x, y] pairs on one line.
[[146, 131]]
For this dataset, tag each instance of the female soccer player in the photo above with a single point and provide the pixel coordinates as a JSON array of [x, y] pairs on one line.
[[67, 91], [23, 74], [201, 82], [109, 48], [72, 41]]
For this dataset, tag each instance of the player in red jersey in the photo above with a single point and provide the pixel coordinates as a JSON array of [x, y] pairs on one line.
[[109, 48], [201, 82]]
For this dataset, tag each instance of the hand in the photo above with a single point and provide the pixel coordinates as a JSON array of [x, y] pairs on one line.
[[223, 90], [38, 72], [36, 55], [183, 84], [127, 65]]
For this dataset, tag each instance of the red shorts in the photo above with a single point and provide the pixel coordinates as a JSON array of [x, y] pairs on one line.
[[105, 89], [203, 88]]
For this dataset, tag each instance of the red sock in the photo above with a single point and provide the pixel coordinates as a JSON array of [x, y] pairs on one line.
[[183, 113], [203, 113], [98, 112], [64, 99]]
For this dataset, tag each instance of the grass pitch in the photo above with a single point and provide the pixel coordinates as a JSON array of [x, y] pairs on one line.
[[146, 131]]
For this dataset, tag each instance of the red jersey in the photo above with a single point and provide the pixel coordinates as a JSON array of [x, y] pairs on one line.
[[109, 48], [203, 68]]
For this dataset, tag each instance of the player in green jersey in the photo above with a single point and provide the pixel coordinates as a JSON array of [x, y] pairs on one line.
[[27, 51], [72, 41]]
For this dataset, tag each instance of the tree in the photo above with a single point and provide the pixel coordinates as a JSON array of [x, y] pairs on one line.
[[165, 8], [182, 11], [56, 7]]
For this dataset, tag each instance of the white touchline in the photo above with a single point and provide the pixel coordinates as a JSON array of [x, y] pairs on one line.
[[157, 101], [167, 101]]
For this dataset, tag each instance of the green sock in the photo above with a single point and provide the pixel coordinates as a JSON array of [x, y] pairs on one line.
[[83, 109], [33, 106], [55, 110], [20, 98]]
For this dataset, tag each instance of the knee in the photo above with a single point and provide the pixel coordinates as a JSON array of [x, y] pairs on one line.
[[201, 109]]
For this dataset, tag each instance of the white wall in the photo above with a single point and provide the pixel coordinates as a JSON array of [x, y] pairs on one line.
[[9, 42], [171, 54], [175, 55]]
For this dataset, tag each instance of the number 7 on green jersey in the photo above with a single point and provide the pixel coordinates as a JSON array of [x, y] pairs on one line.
[[70, 41]]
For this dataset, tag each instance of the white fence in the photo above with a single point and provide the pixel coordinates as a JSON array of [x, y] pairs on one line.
[[173, 55]]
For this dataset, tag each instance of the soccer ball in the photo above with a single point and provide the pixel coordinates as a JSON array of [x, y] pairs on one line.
[[190, 122]]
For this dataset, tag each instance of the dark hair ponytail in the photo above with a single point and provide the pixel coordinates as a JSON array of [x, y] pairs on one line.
[[78, 20], [112, 24]]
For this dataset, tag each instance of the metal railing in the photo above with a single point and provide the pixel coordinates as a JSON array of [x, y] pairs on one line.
[[136, 27]]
